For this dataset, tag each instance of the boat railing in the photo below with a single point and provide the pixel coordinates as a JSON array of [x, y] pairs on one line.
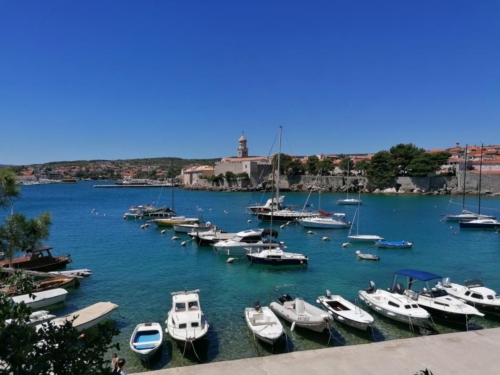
[[185, 292]]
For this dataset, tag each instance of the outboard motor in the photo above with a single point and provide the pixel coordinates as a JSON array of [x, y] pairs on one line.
[[400, 289], [256, 306], [285, 298], [328, 294], [371, 289], [446, 282]]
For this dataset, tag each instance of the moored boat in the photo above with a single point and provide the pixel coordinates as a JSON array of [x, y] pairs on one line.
[[250, 240], [146, 340], [196, 227], [88, 316], [480, 224], [42, 299], [169, 222], [277, 257], [37, 317], [263, 323], [301, 313], [365, 256], [345, 311], [383, 244], [325, 221], [39, 259]]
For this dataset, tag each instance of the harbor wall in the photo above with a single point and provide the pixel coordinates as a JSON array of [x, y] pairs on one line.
[[440, 184]]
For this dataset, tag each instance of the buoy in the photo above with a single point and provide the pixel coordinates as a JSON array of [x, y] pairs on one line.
[[288, 222], [345, 244], [183, 243], [124, 217], [175, 238], [97, 213], [104, 214], [310, 232], [282, 226], [142, 226], [163, 231], [146, 225], [249, 221], [358, 252], [326, 238], [230, 260]]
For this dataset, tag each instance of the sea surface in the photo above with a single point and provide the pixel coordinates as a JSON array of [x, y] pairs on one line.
[[139, 268]]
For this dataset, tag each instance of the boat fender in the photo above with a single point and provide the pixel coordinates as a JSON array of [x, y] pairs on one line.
[[293, 327]]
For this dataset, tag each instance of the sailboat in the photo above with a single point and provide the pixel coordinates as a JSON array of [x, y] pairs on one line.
[[482, 222], [347, 200], [283, 214], [361, 237], [466, 215], [325, 220]]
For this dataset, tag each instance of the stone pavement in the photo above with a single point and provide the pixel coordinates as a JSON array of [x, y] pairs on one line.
[[469, 353]]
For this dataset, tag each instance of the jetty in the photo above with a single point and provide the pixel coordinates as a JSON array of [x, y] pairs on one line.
[[470, 352]]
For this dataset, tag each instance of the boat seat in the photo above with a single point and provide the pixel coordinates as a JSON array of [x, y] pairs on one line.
[[300, 307], [144, 345]]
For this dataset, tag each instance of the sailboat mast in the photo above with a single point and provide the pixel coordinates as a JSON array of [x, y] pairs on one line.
[[465, 174], [480, 172], [172, 182], [278, 176]]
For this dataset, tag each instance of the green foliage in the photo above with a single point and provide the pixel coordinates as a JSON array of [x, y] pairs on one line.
[[346, 164], [312, 164], [242, 175], [361, 166], [218, 178], [403, 154], [381, 169], [21, 282], [8, 188], [58, 350], [427, 163], [230, 176], [325, 166]]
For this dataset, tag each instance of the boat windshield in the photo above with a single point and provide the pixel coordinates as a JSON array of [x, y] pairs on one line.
[[193, 305], [434, 293], [180, 306]]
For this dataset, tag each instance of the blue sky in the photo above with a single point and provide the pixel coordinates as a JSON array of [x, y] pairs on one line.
[[134, 79]]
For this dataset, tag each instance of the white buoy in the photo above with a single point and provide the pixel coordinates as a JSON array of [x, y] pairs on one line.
[[288, 222], [310, 232], [97, 213], [104, 214], [358, 252], [345, 244], [163, 231], [183, 243], [176, 238], [143, 226], [326, 238], [249, 221], [282, 226], [230, 260]]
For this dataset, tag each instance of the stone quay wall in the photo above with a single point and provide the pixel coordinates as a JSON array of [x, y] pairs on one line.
[[490, 184]]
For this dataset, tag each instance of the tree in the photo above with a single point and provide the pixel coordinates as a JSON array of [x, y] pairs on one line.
[[312, 164], [326, 166], [230, 176], [346, 164], [427, 163], [361, 166], [8, 188], [59, 350], [381, 169], [403, 154]]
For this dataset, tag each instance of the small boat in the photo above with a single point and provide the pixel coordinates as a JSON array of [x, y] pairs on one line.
[[382, 244], [270, 204], [361, 237], [169, 222], [344, 311], [480, 224], [473, 293], [84, 272], [326, 221], [436, 301], [276, 257], [89, 316], [185, 321], [42, 299], [146, 339], [394, 306], [37, 317], [187, 228], [39, 259], [300, 313], [468, 216], [360, 255], [250, 240], [46, 284], [263, 323], [210, 237]]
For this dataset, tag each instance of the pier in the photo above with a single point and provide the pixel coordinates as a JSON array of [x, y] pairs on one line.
[[470, 352]]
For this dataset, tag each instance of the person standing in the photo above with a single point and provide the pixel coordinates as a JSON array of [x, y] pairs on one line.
[[114, 362], [121, 366]]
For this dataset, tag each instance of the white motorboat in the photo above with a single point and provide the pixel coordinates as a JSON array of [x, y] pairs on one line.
[[169, 222], [344, 311], [468, 216], [250, 240], [335, 221], [263, 323], [196, 227], [480, 224], [277, 257], [436, 301], [42, 299], [349, 201], [210, 237], [301, 313], [365, 256], [394, 306], [473, 293], [84, 272], [146, 339], [271, 204], [37, 317], [185, 321], [89, 316]]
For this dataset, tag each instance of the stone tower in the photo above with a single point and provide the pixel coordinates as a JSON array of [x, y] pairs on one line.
[[242, 147]]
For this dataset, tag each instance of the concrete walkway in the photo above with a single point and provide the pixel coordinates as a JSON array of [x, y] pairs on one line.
[[471, 352]]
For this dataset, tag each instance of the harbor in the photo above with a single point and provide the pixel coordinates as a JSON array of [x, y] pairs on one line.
[[137, 268]]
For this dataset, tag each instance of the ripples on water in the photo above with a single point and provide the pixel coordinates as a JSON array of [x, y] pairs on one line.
[[138, 268]]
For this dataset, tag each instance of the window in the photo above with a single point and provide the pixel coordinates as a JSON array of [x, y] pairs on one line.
[[407, 307], [476, 295], [195, 324], [182, 325], [414, 306], [490, 297], [467, 293], [393, 304], [193, 305], [180, 306]]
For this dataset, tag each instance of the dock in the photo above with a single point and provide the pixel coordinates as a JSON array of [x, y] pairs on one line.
[[470, 352]]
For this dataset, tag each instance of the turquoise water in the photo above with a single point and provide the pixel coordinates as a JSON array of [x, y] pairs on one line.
[[138, 268]]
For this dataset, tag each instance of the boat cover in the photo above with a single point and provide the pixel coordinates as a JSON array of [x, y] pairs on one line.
[[418, 275]]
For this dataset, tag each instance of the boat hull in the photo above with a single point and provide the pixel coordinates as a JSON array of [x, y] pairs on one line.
[[315, 323], [43, 299], [89, 316], [346, 313], [276, 262], [146, 340], [264, 324], [364, 238]]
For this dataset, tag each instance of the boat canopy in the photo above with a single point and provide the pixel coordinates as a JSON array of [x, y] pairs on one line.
[[418, 275]]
